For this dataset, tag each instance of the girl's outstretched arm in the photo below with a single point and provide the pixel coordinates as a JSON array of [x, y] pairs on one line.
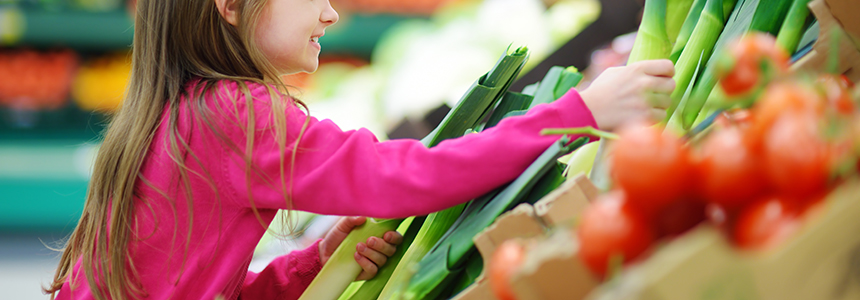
[[351, 173]]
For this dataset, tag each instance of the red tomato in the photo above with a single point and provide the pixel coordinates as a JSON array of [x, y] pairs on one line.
[[505, 260], [729, 173], [742, 78], [797, 161], [766, 223], [651, 167], [751, 55], [778, 99], [679, 217], [611, 228]]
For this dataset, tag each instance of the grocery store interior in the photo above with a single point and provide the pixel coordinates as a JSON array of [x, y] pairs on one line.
[[398, 68]]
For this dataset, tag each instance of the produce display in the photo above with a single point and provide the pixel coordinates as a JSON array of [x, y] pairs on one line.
[[100, 84], [749, 147], [30, 80], [759, 164]]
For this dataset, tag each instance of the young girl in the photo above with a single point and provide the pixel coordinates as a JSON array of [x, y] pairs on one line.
[[208, 146]]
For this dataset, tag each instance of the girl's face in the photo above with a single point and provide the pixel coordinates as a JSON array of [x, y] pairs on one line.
[[288, 33]]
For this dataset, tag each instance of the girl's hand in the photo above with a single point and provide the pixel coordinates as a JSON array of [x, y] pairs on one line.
[[634, 92], [369, 255]]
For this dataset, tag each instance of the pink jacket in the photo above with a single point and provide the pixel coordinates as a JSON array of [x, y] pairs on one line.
[[335, 173]]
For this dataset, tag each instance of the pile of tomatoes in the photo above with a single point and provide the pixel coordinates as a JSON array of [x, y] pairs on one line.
[[782, 143]]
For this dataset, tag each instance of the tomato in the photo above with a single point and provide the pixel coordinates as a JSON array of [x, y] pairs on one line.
[[751, 58], [797, 161], [778, 99], [505, 260], [766, 223], [609, 228], [652, 168], [741, 79], [729, 172], [679, 217]]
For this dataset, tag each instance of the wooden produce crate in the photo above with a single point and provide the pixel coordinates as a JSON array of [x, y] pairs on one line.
[[821, 261], [840, 28]]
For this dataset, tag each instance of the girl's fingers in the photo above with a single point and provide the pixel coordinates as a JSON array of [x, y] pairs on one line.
[[393, 237], [368, 267], [346, 224], [661, 85], [657, 67], [381, 246], [658, 114], [374, 256], [658, 100], [356, 221]]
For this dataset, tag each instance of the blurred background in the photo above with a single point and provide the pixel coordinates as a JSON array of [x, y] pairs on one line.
[[392, 66]]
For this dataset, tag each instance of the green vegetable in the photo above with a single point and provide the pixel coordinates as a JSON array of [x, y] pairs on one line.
[[652, 41], [687, 29], [341, 268], [699, 47], [676, 14], [511, 101], [446, 259], [763, 16], [432, 230], [793, 26], [371, 288]]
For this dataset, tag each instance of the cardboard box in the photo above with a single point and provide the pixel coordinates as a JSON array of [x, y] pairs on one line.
[[845, 12], [822, 261], [552, 270], [563, 205], [832, 15], [519, 223], [549, 262]]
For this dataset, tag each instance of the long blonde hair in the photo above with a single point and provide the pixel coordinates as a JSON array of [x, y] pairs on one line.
[[174, 42]]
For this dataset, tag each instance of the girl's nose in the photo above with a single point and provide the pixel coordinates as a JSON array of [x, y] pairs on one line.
[[329, 15]]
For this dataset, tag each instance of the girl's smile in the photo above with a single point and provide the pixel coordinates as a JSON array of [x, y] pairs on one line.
[[289, 30]]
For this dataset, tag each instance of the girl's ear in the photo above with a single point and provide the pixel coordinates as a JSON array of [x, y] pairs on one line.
[[229, 10]]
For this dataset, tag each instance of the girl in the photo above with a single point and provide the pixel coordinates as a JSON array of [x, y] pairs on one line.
[[208, 146]]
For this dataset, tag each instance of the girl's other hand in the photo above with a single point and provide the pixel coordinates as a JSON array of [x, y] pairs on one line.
[[370, 255], [634, 92]]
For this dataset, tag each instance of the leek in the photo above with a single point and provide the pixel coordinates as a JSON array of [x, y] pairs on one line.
[[757, 15], [371, 288], [701, 43], [793, 26], [687, 30], [485, 92], [582, 161], [511, 101], [435, 226], [446, 259], [676, 14], [652, 41], [341, 269]]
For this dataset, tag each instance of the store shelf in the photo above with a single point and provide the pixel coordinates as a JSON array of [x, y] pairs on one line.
[[354, 35], [77, 29], [43, 184]]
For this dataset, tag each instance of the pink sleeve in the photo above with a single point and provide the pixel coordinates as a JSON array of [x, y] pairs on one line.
[[285, 278], [350, 173]]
